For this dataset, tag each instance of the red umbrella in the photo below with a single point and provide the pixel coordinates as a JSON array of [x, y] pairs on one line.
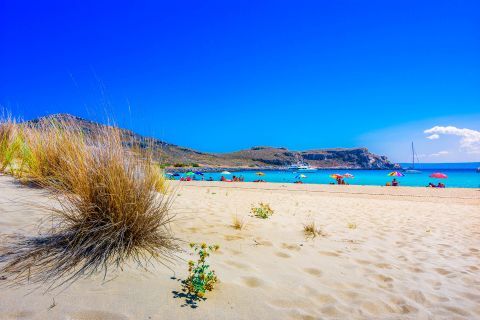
[[438, 175]]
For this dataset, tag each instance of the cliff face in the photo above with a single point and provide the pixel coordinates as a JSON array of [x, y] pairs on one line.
[[358, 158], [167, 153], [355, 158]]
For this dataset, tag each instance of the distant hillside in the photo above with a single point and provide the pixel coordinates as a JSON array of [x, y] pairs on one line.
[[170, 154]]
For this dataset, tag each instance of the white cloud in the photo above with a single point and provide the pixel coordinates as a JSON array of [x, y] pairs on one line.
[[440, 153], [470, 139]]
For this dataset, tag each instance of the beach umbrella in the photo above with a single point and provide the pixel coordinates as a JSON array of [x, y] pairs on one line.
[[395, 174], [169, 174], [199, 173], [225, 172], [189, 173], [336, 176], [301, 176], [348, 175], [439, 175], [260, 174]]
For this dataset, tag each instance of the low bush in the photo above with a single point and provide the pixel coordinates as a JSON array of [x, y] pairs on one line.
[[108, 212], [201, 278], [263, 211]]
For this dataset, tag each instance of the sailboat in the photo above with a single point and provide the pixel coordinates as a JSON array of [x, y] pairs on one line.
[[412, 170]]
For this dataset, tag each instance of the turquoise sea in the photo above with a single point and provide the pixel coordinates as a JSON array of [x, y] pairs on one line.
[[462, 175]]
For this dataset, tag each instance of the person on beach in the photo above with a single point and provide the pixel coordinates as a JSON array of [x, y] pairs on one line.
[[395, 183], [223, 178], [431, 185], [440, 185]]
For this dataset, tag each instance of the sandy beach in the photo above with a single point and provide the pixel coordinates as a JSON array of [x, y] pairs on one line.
[[384, 253]]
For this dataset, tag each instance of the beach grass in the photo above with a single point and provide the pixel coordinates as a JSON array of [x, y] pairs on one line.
[[312, 231], [108, 212], [10, 144], [238, 223]]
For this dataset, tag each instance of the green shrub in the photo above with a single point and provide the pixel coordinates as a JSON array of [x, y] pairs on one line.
[[263, 211], [179, 165], [201, 278]]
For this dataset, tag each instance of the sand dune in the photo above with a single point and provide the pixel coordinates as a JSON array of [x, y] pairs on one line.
[[387, 253]]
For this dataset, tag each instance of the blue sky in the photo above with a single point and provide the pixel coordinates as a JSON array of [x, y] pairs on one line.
[[225, 75]]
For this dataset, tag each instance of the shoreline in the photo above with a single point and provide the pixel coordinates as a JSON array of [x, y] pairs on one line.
[[328, 184], [462, 194], [236, 169]]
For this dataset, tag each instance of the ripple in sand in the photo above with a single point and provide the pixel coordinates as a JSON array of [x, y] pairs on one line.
[[232, 237], [294, 247], [17, 315], [442, 271], [282, 254], [97, 315], [313, 271], [252, 282], [329, 253], [238, 265]]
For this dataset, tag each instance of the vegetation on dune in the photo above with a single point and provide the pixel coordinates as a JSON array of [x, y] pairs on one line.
[[201, 278], [161, 182], [238, 223], [10, 145], [108, 212], [312, 231], [263, 211], [352, 225]]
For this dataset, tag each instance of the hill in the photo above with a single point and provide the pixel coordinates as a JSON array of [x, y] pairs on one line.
[[256, 157]]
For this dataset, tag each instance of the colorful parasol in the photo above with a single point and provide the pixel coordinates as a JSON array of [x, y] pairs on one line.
[[395, 174], [438, 175]]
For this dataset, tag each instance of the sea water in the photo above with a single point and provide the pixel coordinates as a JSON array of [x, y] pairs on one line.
[[462, 175]]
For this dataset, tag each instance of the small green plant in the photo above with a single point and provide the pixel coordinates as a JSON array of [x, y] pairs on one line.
[[201, 278], [352, 225], [263, 211]]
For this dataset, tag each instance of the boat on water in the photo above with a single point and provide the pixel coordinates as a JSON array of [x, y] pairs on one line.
[[412, 170], [301, 167]]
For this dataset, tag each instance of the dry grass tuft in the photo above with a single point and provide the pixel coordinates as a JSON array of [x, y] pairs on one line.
[[311, 231], [109, 211], [161, 183], [238, 223], [10, 144]]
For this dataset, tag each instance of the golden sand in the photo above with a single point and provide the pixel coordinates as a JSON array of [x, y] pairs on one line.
[[384, 253]]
